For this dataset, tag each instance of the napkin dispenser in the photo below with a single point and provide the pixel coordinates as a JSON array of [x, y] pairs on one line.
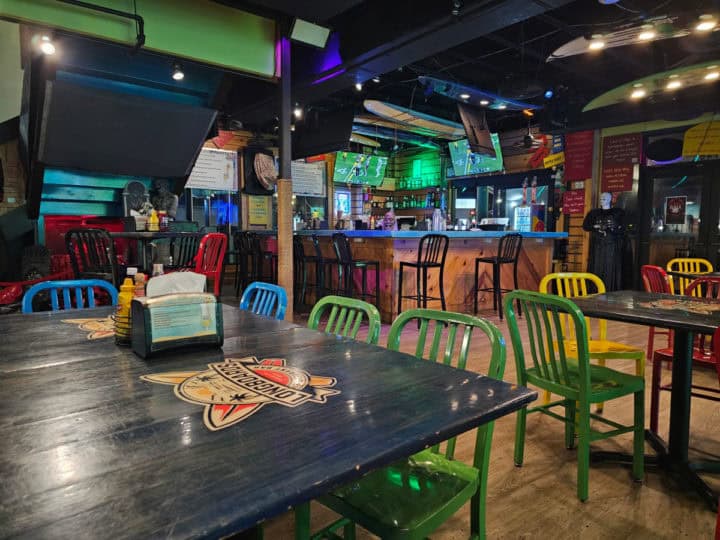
[[175, 321]]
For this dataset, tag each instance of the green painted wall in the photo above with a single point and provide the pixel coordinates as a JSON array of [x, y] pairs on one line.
[[415, 169], [11, 76], [201, 30]]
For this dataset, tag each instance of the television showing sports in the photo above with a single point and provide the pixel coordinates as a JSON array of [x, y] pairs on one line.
[[465, 162], [366, 169]]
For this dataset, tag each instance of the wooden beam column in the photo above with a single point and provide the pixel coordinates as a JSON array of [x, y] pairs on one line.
[[284, 188]]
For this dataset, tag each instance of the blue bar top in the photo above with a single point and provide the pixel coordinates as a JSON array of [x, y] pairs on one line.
[[420, 234]]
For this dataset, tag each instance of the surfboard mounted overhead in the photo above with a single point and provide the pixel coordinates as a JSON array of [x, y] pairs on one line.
[[445, 129], [474, 96]]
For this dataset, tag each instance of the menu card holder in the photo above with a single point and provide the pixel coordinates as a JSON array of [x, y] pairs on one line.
[[175, 321]]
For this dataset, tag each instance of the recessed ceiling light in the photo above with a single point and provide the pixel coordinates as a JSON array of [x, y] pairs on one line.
[[674, 76], [484, 102], [358, 86], [502, 106], [638, 93], [464, 96], [297, 111], [674, 85], [638, 85], [707, 23], [712, 75], [376, 79], [46, 46]]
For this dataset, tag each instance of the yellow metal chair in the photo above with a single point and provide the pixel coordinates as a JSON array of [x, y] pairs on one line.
[[695, 266], [572, 285]]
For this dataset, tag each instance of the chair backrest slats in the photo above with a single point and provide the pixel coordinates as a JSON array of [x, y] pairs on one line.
[[433, 249], [341, 244], [447, 324], [572, 285], [546, 332], [92, 253], [509, 246], [265, 299], [655, 279], [83, 297], [687, 265], [345, 317]]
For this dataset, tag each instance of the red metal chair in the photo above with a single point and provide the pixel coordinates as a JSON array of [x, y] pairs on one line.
[[11, 292], [210, 257], [703, 353], [655, 280]]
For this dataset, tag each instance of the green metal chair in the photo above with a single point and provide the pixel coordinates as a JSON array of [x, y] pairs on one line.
[[414, 496], [577, 381], [345, 317]]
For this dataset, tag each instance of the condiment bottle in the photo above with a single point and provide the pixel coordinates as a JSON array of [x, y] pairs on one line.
[[153, 222], [139, 285], [122, 315], [164, 220]]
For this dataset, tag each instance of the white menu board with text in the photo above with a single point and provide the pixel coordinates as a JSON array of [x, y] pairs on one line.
[[308, 178], [214, 169]]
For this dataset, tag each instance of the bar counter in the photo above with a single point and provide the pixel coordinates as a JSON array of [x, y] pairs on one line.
[[392, 247]]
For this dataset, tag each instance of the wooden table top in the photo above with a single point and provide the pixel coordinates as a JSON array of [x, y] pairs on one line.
[[701, 315], [96, 441]]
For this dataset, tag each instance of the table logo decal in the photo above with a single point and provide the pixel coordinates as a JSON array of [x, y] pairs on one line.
[[96, 328], [233, 390], [684, 305]]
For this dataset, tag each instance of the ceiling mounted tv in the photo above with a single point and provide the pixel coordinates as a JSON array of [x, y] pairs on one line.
[[465, 162], [322, 133], [365, 169], [97, 130]]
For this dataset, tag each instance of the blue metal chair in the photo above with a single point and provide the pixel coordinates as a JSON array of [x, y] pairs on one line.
[[79, 286], [264, 299]]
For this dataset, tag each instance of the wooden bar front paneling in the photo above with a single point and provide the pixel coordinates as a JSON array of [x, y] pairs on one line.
[[535, 261]]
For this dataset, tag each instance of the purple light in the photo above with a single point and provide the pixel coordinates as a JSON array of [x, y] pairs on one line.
[[329, 76], [668, 162]]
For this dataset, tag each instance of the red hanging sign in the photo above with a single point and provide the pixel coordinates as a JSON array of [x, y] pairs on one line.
[[620, 154], [574, 202], [578, 155]]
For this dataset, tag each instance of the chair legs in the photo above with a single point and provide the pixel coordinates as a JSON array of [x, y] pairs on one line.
[[583, 451], [421, 287], [400, 289], [477, 280], [655, 393], [639, 437], [520, 423]]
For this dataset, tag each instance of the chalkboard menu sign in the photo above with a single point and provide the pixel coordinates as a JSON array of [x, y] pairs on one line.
[[619, 155]]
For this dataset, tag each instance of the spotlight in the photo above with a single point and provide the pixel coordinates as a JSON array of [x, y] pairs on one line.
[[46, 46], [712, 76], [647, 33], [597, 43], [297, 111], [502, 106], [707, 23], [548, 94], [638, 93], [456, 7], [674, 85], [376, 79], [177, 73], [292, 127], [484, 102], [358, 86], [464, 96]]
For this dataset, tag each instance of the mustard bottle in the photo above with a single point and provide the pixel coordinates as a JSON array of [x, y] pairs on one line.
[[123, 324], [153, 222]]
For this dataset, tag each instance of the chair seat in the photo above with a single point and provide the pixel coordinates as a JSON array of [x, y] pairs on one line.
[[605, 383], [494, 260], [360, 264], [422, 264], [699, 355], [409, 498], [600, 348]]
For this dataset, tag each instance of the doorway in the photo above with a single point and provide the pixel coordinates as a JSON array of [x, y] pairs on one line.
[[680, 212]]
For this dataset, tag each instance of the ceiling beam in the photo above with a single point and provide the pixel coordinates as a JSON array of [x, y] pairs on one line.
[[440, 34]]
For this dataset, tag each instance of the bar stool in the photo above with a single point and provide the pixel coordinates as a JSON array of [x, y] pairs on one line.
[[300, 261], [259, 257], [432, 251], [508, 253], [322, 264], [346, 266]]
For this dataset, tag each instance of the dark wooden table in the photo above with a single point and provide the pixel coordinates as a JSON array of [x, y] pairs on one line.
[[686, 316], [89, 449], [144, 239]]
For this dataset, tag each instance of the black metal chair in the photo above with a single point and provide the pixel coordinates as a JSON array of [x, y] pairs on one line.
[[508, 253], [243, 260], [183, 250], [92, 254], [432, 252], [259, 257], [323, 267], [299, 270], [346, 267]]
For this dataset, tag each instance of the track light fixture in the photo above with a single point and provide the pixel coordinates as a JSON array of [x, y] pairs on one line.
[[177, 73], [456, 8]]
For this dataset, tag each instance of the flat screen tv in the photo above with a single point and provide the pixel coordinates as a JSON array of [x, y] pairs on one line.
[[465, 162], [365, 169], [322, 133]]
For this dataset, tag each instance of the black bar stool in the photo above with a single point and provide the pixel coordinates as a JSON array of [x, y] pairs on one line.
[[346, 266], [322, 266], [432, 251], [507, 253]]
